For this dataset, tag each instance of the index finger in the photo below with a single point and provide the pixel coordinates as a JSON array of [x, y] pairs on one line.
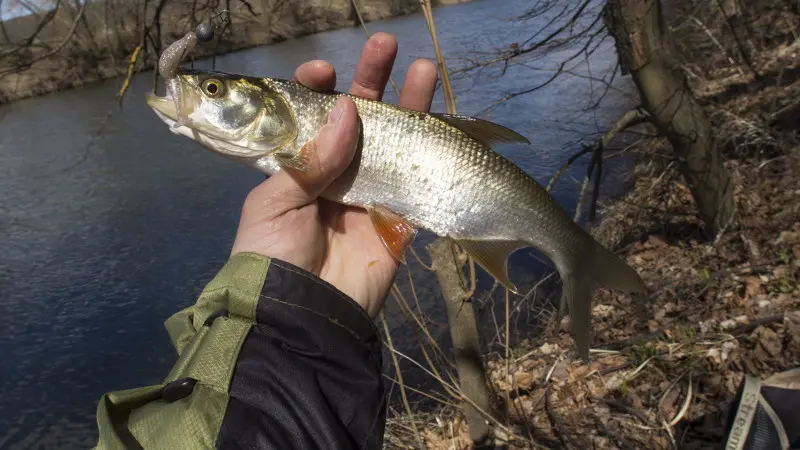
[[318, 75]]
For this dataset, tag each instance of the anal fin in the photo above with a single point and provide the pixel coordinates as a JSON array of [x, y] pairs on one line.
[[394, 232], [493, 257], [297, 160]]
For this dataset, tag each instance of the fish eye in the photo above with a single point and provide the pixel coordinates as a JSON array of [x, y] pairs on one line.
[[212, 87]]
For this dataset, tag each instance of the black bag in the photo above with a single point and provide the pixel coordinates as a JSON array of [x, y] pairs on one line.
[[766, 414]]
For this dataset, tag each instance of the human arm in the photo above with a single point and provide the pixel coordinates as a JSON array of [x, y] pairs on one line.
[[280, 351]]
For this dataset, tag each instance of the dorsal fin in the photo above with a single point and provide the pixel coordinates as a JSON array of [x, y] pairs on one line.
[[483, 131]]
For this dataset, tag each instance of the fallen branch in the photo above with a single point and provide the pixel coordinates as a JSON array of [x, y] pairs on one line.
[[756, 323], [616, 368], [636, 340]]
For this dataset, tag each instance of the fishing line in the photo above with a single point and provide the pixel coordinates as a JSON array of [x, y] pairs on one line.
[[205, 31]]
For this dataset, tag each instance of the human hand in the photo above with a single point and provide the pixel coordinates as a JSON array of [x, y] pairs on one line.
[[283, 217]]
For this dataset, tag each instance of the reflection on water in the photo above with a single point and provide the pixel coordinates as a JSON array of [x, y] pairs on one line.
[[110, 223]]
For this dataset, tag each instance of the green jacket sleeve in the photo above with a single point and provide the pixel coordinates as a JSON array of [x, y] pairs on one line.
[[269, 356]]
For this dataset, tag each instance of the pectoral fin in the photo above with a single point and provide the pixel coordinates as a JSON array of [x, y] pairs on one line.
[[395, 232], [493, 257], [297, 160]]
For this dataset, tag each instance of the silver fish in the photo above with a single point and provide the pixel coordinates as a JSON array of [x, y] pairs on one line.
[[412, 170]]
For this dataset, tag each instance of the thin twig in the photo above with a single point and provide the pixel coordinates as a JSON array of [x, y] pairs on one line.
[[685, 406], [716, 42], [463, 331], [449, 97], [739, 46], [473, 283], [631, 118], [431, 395], [586, 149], [596, 154], [60, 45], [129, 75], [616, 368], [406, 310], [508, 357], [400, 381], [421, 262], [641, 367], [483, 413]]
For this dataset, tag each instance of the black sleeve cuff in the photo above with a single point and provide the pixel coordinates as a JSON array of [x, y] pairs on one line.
[[309, 372]]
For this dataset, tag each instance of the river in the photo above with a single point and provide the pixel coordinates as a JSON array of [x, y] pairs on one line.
[[110, 223]]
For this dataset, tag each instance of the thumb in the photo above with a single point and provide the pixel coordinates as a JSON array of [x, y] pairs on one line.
[[329, 154]]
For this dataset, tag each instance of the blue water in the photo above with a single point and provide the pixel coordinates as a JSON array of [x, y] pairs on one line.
[[110, 223]]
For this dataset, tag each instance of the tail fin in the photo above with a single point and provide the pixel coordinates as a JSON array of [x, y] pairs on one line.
[[612, 272], [576, 294], [602, 269]]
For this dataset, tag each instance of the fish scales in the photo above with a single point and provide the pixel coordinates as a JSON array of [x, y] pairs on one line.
[[427, 171]]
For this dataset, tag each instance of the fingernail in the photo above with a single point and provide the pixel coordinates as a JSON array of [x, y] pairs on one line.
[[337, 111]]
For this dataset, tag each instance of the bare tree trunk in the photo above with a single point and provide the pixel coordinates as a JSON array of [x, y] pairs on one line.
[[466, 344], [645, 51]]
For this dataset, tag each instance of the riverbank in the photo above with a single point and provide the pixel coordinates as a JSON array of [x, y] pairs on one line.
[[667, 366], [105, 37]]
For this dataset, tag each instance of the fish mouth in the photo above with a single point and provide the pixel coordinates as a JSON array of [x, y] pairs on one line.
[[163, 106]]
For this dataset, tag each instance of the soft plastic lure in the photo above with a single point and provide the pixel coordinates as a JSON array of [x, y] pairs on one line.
[[168, 65]]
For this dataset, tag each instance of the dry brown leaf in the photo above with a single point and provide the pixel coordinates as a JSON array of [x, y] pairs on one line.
[[754, 285]]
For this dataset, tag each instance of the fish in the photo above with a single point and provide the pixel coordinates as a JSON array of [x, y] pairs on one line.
[[412, 170]]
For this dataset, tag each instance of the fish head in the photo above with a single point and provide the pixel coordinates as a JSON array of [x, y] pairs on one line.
[[233, 115]]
